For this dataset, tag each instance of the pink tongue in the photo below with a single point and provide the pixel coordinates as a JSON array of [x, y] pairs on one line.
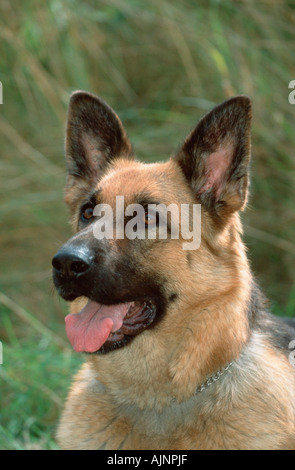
[[89, 329]]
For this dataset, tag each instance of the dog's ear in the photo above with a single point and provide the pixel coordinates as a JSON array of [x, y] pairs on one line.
[[94, 137], [215, 157]]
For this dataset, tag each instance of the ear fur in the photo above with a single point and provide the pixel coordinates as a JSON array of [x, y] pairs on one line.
[[215, 157], [95, 136]]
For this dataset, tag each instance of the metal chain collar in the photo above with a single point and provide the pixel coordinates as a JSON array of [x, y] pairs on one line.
[[212, 379]]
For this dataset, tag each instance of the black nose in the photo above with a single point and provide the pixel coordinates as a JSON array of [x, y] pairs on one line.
[[72, 261]]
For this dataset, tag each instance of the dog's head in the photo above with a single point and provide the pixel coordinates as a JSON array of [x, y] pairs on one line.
[[133, 279]]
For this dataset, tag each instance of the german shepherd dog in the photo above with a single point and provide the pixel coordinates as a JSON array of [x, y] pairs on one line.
[[182, 352]]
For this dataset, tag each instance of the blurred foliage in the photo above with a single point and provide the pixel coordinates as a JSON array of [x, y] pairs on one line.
[[161, 65]]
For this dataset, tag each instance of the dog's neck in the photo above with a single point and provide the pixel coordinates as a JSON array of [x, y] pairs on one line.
[[170, 375]]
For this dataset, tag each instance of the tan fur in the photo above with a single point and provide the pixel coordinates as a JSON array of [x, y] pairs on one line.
[[227, 416], [142, 396]]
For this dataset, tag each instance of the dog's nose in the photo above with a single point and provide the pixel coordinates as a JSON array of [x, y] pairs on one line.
[[72, 261]]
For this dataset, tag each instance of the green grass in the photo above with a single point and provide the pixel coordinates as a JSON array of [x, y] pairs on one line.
[[35, 375], [161, 65], [34, 378]]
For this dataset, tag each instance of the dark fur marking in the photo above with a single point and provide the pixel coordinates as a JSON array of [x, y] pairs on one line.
[[189, 260], [173, 297], [280, 331]]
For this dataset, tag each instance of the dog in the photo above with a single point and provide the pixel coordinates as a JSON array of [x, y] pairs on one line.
[[181, 350]]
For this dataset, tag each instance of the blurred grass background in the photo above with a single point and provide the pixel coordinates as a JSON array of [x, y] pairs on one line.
[[161, 65]]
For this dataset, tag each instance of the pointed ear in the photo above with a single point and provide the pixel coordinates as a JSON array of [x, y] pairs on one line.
[[95, 136], [215, 157]]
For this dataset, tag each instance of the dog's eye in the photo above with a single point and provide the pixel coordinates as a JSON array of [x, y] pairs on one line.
[[87, 213], [151, 217]]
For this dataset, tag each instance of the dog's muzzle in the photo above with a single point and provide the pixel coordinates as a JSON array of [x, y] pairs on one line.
[[120, 305]]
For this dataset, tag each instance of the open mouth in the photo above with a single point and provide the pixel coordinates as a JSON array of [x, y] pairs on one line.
[[102, 328]]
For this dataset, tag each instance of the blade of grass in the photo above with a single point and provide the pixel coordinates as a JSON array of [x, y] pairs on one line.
[[32, 320]]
